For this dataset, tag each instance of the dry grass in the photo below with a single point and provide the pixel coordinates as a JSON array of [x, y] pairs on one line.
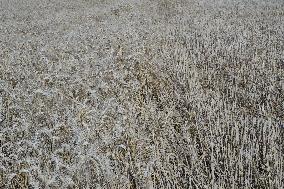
[[141, 94]]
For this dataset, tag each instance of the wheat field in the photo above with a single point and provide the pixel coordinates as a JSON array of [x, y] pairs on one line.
[[150, 94]]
